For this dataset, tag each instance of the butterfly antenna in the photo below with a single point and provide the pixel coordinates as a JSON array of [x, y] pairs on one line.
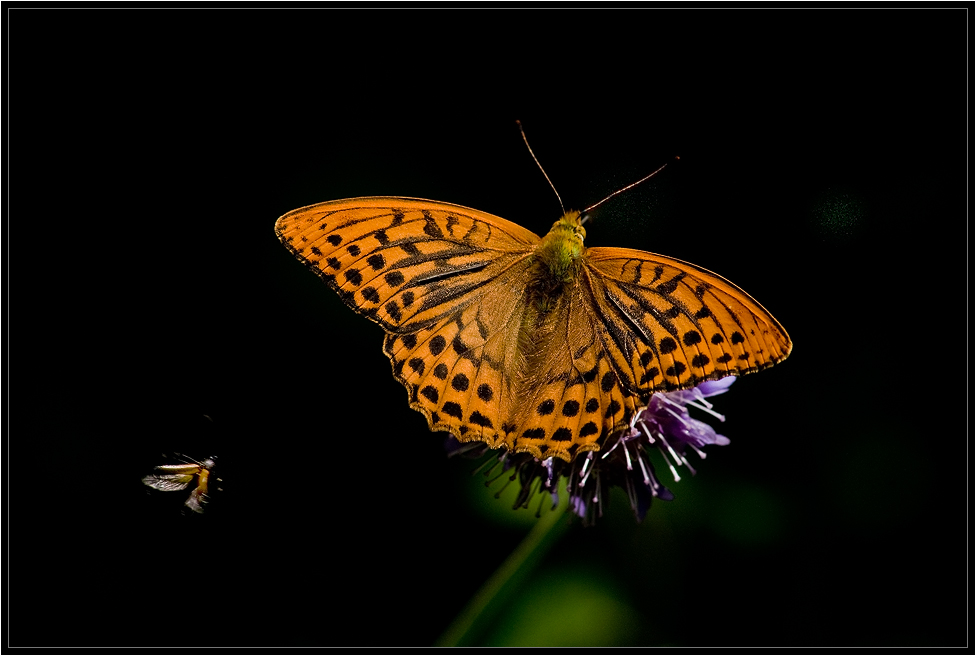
[[543, 170], [631, 185]]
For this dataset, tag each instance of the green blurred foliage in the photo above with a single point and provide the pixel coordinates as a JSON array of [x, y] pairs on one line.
[[578, 606]]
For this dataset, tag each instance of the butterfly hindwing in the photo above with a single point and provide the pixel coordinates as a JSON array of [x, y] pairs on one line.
[[574, 398], [563, 399], [672, 325], [458, 372]]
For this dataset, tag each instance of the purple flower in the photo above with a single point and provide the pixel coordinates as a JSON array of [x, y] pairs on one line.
[[665, 425]]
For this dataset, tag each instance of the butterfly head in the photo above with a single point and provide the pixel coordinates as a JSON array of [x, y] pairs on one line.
[[570, 225]]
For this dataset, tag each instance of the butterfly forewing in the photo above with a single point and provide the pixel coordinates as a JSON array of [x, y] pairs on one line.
[[403, 262], [671, 325]]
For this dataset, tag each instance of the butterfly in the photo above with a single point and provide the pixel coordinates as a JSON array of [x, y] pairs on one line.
[[536, 345], [170, 478]]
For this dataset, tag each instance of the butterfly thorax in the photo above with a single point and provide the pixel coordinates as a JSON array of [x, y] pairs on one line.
[[557, 260]]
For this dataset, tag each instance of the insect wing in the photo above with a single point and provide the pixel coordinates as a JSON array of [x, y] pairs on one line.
[[170, 478], [671, 325], [404, 262]]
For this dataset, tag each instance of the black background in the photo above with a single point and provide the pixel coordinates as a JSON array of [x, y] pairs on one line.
[[823, 169]]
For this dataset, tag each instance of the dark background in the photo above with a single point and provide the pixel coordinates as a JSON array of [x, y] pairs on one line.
[[823, 169]]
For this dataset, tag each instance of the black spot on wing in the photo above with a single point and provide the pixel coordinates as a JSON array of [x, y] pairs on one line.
[[353, 276], [376, 261], [480, 420], [485, 393], [676, 370], [562, 435], [431, 227], [589, 428], [649, 375], [669, 286]]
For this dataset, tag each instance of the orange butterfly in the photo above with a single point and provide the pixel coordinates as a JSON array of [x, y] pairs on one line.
[[537, 345]]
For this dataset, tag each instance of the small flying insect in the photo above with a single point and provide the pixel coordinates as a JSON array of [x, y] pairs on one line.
[[170, 478]]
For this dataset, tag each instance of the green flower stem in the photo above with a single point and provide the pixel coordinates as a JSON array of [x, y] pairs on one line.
[[488, 600]]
